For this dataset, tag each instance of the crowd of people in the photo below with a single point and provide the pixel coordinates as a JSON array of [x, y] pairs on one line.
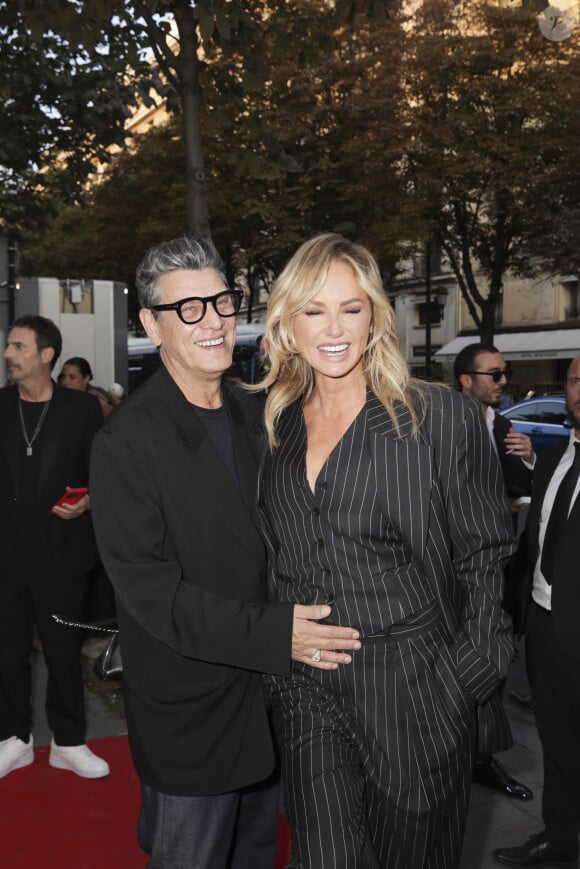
[[317, 578]]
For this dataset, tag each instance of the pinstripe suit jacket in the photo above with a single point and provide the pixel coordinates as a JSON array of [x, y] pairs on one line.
[[443, 494]]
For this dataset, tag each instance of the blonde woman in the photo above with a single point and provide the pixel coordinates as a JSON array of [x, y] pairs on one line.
[[382, 497]]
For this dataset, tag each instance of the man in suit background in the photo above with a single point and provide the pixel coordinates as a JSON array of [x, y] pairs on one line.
[[47, 552], [549, 613], [173, 480], [480, 371]]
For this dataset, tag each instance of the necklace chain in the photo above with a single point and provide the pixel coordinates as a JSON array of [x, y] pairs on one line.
[[30, 441]]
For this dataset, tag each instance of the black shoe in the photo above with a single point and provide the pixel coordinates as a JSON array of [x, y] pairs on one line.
[[490, 772], [538, 851]]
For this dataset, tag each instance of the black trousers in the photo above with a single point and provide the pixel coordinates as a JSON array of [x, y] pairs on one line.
[[27, 599], [555, 682]]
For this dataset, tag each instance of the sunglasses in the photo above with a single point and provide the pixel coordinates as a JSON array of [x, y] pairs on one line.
[[496, 376]]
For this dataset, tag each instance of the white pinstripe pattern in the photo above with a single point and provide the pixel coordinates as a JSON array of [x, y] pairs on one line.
[[403, 536]]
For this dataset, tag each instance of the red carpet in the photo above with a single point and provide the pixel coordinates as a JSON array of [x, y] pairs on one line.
[[52, 818]]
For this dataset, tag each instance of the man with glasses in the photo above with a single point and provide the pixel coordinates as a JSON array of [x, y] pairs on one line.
[[480, 371], [548, 558], [173, 482]]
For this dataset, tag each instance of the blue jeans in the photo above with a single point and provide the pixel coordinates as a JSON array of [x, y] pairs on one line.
[[236, 830]]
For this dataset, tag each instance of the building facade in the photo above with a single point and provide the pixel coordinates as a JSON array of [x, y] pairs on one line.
[[537, 324]]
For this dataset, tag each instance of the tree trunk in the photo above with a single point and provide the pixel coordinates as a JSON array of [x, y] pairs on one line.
[[197, 212], [487, 328]]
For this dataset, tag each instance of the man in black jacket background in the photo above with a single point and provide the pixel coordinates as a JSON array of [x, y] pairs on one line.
[[547, 609], [480, 371], [48, 551]]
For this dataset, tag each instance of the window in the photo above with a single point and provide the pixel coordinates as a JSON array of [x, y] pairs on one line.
[[572, 311], [433, 310]]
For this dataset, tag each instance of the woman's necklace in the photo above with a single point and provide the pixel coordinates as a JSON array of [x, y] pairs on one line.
[[30, 441]]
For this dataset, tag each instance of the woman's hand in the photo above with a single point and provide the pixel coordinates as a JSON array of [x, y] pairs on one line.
[[315, 644]]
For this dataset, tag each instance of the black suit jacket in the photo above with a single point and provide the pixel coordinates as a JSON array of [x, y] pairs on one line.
[[71, 423], [566, 584], [179, 543], [518, 478]]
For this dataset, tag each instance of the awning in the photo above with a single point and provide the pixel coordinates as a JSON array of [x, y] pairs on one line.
[[556, 344]]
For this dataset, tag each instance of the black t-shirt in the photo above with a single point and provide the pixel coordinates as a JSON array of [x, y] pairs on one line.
[[29, 544], [219, 429]]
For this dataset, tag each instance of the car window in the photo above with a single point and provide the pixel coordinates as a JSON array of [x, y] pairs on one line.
[[529, 413], [551, 412], [547, 412]]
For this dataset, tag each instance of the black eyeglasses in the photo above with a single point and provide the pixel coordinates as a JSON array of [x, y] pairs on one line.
[[192, 310], [495, 375]]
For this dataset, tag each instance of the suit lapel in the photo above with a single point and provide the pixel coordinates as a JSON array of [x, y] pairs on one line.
[[404, 474], [49, 457], [248, 444], [542, 476], [575, 511]]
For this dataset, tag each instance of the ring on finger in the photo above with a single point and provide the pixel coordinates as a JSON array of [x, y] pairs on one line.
[[317, 656]]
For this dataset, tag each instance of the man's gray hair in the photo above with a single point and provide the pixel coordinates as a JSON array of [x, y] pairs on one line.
[[187, 252]]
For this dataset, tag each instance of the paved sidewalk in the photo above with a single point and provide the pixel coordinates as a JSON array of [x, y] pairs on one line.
[[496, 821]]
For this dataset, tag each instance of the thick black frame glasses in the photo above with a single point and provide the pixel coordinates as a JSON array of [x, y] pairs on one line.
[[236, 297], [495, 375]]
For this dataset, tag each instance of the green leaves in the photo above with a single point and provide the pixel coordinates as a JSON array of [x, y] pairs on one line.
[[68, 85], [312, 117]]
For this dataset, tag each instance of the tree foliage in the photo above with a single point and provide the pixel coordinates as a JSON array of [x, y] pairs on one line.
[[186, 40], [457, 130], [491, 122], [64, 101], [297, 149]]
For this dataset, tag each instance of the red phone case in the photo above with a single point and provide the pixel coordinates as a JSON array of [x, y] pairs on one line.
[[71, 496]]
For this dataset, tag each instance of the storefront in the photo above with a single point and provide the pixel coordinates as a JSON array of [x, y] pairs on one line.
[[538, 360]]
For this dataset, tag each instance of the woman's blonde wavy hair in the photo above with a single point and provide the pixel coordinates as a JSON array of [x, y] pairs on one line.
[[290, 377]]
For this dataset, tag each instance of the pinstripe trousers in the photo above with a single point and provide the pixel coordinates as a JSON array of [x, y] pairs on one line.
[[390, 792]]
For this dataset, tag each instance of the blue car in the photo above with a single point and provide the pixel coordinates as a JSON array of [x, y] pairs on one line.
[[543, 419]]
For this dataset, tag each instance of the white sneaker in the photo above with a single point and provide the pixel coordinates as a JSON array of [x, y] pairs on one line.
[[15, 753], [79, 759]]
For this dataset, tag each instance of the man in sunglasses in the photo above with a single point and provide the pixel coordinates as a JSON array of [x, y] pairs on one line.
[[480, 371], [173, 483]]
